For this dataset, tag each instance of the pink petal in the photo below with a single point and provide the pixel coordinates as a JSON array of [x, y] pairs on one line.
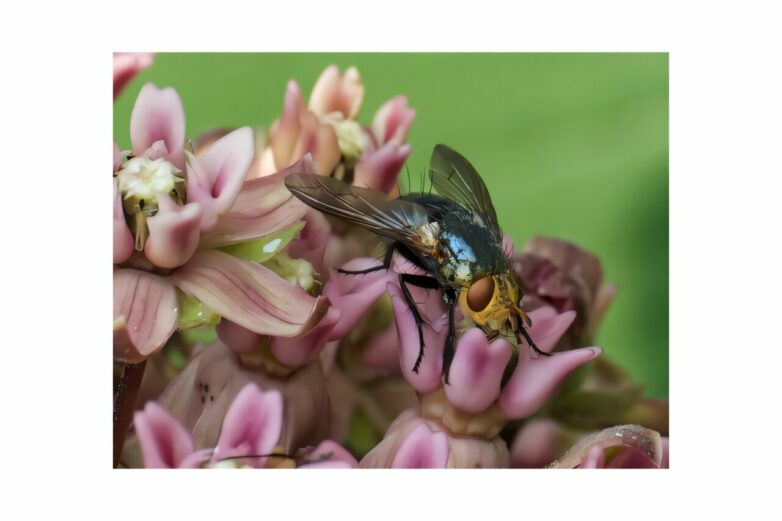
[[146, 307], [173, 233], [252, 425], [393, 120], [164, 442], [379, 169], [216, 178], [123, 239], [285, 134], [476, 371], [158, 115], [428, 377], [238, 338], [535, 444], [423, 449], [535, 379], [312, 241], [264, 206], [127, 65], [382, 353], [548, 326], [333, 93], [249, 294], [354, 294], [338, 457], [595, 458], [305, 349]]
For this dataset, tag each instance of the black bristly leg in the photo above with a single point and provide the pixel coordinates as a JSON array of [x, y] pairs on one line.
[[526, 336], [450, 340], [386, 263], [420, 281]]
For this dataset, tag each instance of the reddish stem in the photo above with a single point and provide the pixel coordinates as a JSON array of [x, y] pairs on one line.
[[125, 403]]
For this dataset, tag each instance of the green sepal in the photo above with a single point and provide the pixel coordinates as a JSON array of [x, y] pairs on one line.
[[193, 313], [264, 248]]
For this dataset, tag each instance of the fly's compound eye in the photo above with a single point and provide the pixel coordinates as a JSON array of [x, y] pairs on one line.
[[480, 294]]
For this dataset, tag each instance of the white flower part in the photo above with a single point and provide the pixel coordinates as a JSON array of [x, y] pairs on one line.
[[144, 178], [351, 136], [272, 245]]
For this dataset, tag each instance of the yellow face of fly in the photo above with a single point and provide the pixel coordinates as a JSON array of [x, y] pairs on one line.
[[491, 300]]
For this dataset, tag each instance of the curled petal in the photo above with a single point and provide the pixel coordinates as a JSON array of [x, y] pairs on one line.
[[634, 458], [306, 348], [127, 65], [535, 379], [330, 455], [476, 371], [393, 120], [587, 452], [264, 206], [123, 239], [158, 115], [354, 294], [423, 449], [145, 311], [333, 93], [164, 442], [435, 329], [548, 326], [379, 169], [249, 294], [173, 233], [215, 179], [252, 424]]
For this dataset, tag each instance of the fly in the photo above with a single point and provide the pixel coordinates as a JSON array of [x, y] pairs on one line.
[[453, 236]]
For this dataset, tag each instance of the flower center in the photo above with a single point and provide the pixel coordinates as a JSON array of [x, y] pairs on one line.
[[351, 136], [140, 182]]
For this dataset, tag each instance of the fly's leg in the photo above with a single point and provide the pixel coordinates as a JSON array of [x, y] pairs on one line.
[[386, 263], [526, 336], [420, 281], [450, 340], [514, 360]]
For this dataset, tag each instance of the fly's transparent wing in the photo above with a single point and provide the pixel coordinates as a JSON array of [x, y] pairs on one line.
[[396, 219], [455, 178]]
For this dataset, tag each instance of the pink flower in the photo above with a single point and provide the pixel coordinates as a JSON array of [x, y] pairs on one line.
[[415, 442], [328, 129], [478, 365], [558, 273], [127, 65], [249, 434], [200, 396], [182, 238]]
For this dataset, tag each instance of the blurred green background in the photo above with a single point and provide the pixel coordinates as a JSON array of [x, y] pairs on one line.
[[570, 145]]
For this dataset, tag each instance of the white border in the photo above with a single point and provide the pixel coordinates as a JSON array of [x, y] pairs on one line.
[[725, 171]]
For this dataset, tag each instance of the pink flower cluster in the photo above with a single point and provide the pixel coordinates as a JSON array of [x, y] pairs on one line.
[[259, 353]]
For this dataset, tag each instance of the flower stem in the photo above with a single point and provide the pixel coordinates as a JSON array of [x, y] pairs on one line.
[[125, 403]]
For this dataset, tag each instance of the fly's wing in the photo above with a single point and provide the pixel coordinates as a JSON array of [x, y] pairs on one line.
[[397, 220], [455, 178]]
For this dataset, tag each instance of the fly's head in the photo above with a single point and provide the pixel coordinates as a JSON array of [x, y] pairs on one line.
[[493, 301]]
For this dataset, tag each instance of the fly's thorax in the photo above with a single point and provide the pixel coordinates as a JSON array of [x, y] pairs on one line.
[[490, 300]]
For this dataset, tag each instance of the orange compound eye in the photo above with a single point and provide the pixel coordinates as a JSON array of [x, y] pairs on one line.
[[480, 294]]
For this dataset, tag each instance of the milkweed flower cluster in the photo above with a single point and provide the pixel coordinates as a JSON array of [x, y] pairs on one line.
[[261, 354]]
